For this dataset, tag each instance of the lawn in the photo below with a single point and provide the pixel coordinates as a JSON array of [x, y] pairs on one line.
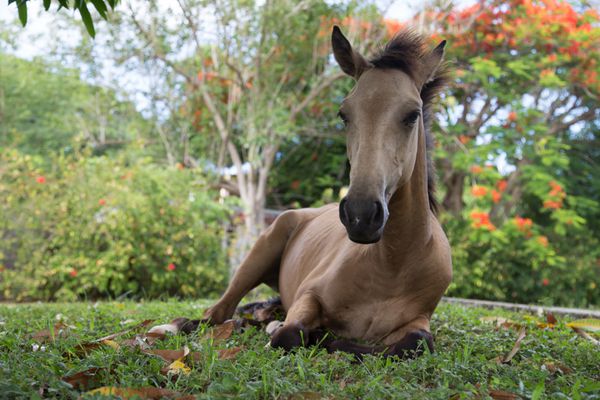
[[552, 362]]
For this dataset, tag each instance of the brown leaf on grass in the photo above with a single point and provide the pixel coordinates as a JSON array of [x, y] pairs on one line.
[[58, 330], [83, 379], [229, 354], [503, 395], [141, 393], [112, 336], [554, 367], [223, 331], [137, 341], [85, 348], [509, 356], [586, 335], [170, 355], [223, 354], [588, 324], [551, 319]]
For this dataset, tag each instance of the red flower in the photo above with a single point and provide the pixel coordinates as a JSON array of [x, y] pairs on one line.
[[102, 202], [545, 281], [41, 179], [171, 267], [73, 273]]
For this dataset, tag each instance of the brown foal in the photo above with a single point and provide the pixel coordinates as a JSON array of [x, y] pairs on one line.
[[374, 267]]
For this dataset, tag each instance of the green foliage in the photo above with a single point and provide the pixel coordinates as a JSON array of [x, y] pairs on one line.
[[95, 227], [43, 107], [80, 5]]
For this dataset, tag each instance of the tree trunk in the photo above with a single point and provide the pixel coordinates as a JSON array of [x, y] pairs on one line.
[[454, 181]]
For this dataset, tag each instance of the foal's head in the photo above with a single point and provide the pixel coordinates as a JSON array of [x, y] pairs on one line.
[[383, 115]]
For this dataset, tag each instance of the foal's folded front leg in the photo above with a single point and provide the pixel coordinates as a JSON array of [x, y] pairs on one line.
[[301, 320]]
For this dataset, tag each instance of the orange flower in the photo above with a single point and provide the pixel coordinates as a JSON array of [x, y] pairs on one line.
[[478, 191], [496, 196], [523, 223], [551, 204], [543, 240], [102, 202], [512, 116], [482, 220], [501, 185], [41, 179], [476, 169], [464, 139], [73, 273]]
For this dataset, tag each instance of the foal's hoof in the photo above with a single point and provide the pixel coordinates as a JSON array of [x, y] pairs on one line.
[[290, 336], [412, 345], [192, 325]]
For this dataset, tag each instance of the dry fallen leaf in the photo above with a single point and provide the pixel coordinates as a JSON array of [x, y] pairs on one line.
[[503, 395], [58, 330], [82, 379], [554, 367], [176, 367], [587, 336], [141, 393], [142, 324], [229, 354], [170, 355], [223, 331], [588, 324], [516, 347]]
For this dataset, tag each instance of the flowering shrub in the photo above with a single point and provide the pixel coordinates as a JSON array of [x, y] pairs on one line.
[[528, 259], [96, 227]]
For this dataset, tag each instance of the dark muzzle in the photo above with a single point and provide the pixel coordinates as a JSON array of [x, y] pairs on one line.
[[364, 219]]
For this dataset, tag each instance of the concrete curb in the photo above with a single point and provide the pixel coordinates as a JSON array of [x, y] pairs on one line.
[[535, 309]]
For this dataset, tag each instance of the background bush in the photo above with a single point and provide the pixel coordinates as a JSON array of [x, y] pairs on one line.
[[97, 226]]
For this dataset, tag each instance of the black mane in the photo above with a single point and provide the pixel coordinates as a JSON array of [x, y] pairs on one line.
[[404, 52]]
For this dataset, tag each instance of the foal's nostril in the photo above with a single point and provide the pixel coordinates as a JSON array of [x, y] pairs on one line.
[[343, 212], [377, 218]]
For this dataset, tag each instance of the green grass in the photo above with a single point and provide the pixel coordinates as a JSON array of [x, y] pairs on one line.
[[463, 365]]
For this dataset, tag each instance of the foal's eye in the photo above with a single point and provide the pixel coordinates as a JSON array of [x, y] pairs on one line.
[[343, 117], [411, 118]]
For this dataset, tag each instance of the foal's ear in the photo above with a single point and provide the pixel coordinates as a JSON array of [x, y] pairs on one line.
[[431, 63], [351, 62]]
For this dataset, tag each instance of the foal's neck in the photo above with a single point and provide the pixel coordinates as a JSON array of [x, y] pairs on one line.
[[409, 225]]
